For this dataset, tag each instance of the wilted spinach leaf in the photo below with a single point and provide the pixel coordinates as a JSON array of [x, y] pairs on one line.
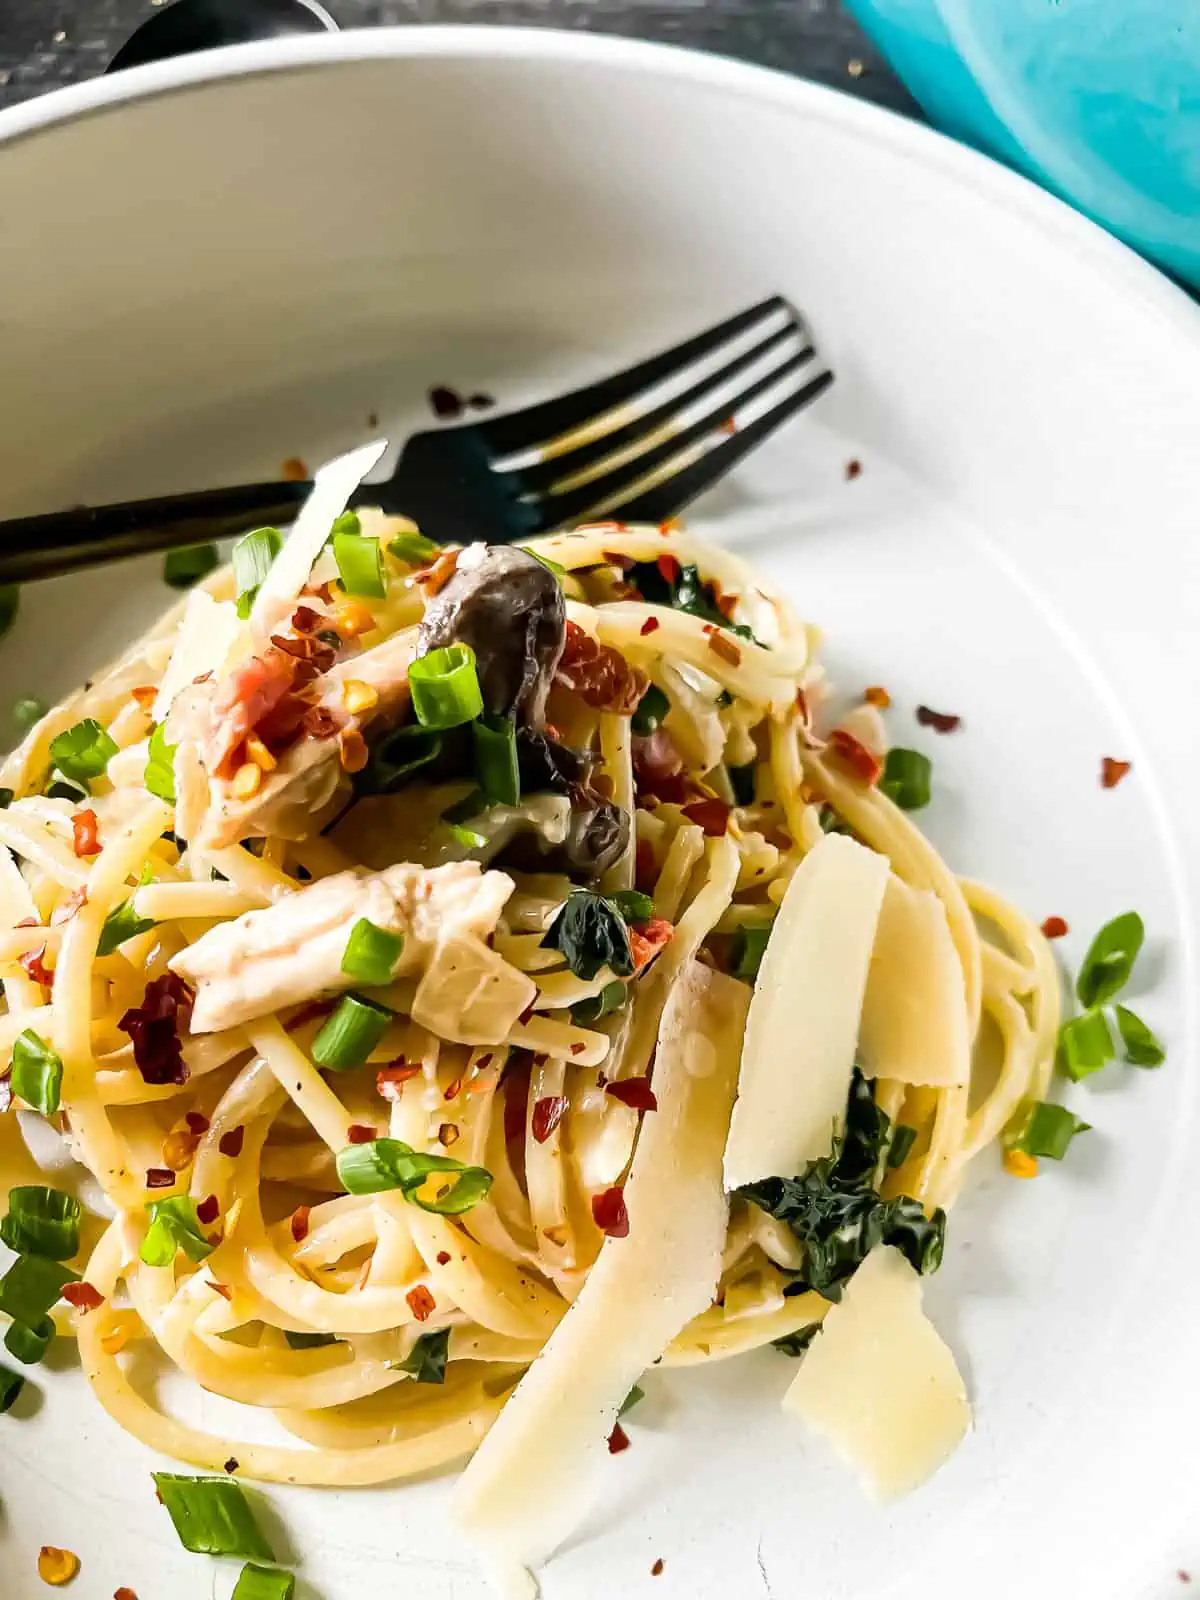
[[689, 592], [591, 933], [795, 1344], [427, 1358]]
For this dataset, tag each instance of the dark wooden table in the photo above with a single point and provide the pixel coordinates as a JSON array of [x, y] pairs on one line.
[[45, 44]]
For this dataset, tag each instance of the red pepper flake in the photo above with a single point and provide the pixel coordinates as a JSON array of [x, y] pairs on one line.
[[864, 763], [651, 625], [421, 1302], [599, 674], [618, 1440], [66, 909], [711, 814], [232, 1465], [484, 1062], [306, 620], [669, 568], [159, 1178], [443, 1258], [32, 963], [1053, 928], [609, 1213], [145, 694], [83, 1296], [446, 403], [578, 1049], [729, 426], [197, 1122], [359, 1133], [85, 826], [448, 1134], [230, 1144], [616, 559], [633, 1092], [722, 645], [877, 696], [527, 1014], [939, 721], [1111, 772], [453, 1089], [645, 942], [853, 469], [222, 1289], [155, 1026], [299, 1223], [390, 1081], [319, 723], [656, 1570], [547, 1114], [208, 1210], [294, 470]]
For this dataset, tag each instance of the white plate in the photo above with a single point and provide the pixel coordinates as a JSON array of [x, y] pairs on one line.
[[214, 264]]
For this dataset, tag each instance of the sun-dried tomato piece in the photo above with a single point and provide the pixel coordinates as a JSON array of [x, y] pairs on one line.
[[155, 1026], [32, 963], [634, 1092], [647, 939], [711, 814], [600, 674], [83, 1296], [618, 1440], [547, 1114], [421, 1302], [609, 1213], [300, 1223], [360, 1133]]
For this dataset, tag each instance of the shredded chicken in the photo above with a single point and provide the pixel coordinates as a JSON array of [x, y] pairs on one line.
[[292, 952]]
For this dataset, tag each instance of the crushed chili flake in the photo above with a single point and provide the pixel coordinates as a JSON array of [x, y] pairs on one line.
[[319, 723], [154, 1027], [1054, 928], [547, 1114], [421, 1302], [145, 694], [484, 1062], [618, 1440], [433, 579], [222, 1289], [877, 696], [230, 1144], [669, 568], [651, 625], [448, 1134], [722, 645], [32, 963], [446, 403], [83, 1296], [853, 469], [390, 1080], [609, 1213], [599, 673], [633, 1092], [578, 1049], [85, 828], [711, 814], [208, 1210], [306, 620], [197, 1122], [232, 1465], [359, 1133], [443, 1258], [864, 763], [657, 1569], [453, 1089], [299, 1223], [526, 1015], [124, 1594], [616, 559], [939, 721], [159, 1178], [1111, 772], [647, 940], [66, 909]]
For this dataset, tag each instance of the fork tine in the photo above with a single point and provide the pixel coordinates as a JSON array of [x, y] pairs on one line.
[[541, 477], [657, 502], [630, 476], [522, 430]]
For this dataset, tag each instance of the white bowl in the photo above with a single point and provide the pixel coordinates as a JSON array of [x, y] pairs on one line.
[[219, 262]]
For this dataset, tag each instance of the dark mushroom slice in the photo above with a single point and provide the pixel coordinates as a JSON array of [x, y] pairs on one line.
[[509, 608], [597, 837]]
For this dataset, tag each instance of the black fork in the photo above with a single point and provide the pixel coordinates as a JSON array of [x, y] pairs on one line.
[[636, 447]]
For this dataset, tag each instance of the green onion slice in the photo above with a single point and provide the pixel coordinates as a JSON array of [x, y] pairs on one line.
[[253, 556], [31, 1286], [1142, 1048], [11, 1384], [36, 1073], [350, 1034], [751, 946], [445, 687], [359, 559], [396, 757], [83, 752], [183, 568], [1109, 961], [906, 779], [212, 1516], [174, 1226], [28, 711], [903, 1139], [371, 953], [160, 765], [121, 923], [1085, 1044], [42, 1222], [414, 549], [427, 1358], [651, 709], [1047, 1131], [263, 1583], [29, 1344], [385, 1164], [496, 768]]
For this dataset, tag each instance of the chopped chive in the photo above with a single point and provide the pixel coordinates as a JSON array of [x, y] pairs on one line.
[[751, 947], [903, 1139], [350, 1034], [906, 779], [427, 1358], [264, 1583], [496, 770], [160, 765], [253, 556], [174, 1226], [183, 568], [42, 1222], [10, 604], [11, 1384], [31, 1286], [28, 1343], [1110, 958], [386, 1164], [467, 837], [36, 1073], [651, 709], [1142, 1048], [6, 798], [27, 712], [414, 549], [309, 1341], [633, 905], [611, 998], [1085, 1044], [121, 923], [635, 1396], [212, 1516], [742, 781], [371, 953], [359, 559], [1048, 1130], [445, 687], [83, 752]]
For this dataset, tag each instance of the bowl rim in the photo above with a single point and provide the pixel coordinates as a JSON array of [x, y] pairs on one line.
[[923, 146]]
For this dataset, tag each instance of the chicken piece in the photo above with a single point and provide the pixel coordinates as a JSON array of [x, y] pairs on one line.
[[292, 951]]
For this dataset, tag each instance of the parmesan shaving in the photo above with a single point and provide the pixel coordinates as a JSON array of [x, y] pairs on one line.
[[207, 631]]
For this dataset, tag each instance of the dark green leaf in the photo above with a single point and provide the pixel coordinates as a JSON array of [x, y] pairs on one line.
[[650, 710], [689, 593], [591, 933], [611, 998], [427, 1358], [183, 568], [635, 1397], [1109, 961], [1142, 1049], [121, 923], [309, 1341], [749, 949], [160, 765], [795, 1344], [395, 757], [903, 1140]]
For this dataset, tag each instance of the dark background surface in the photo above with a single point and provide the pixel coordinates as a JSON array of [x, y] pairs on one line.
[[45, 44]]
